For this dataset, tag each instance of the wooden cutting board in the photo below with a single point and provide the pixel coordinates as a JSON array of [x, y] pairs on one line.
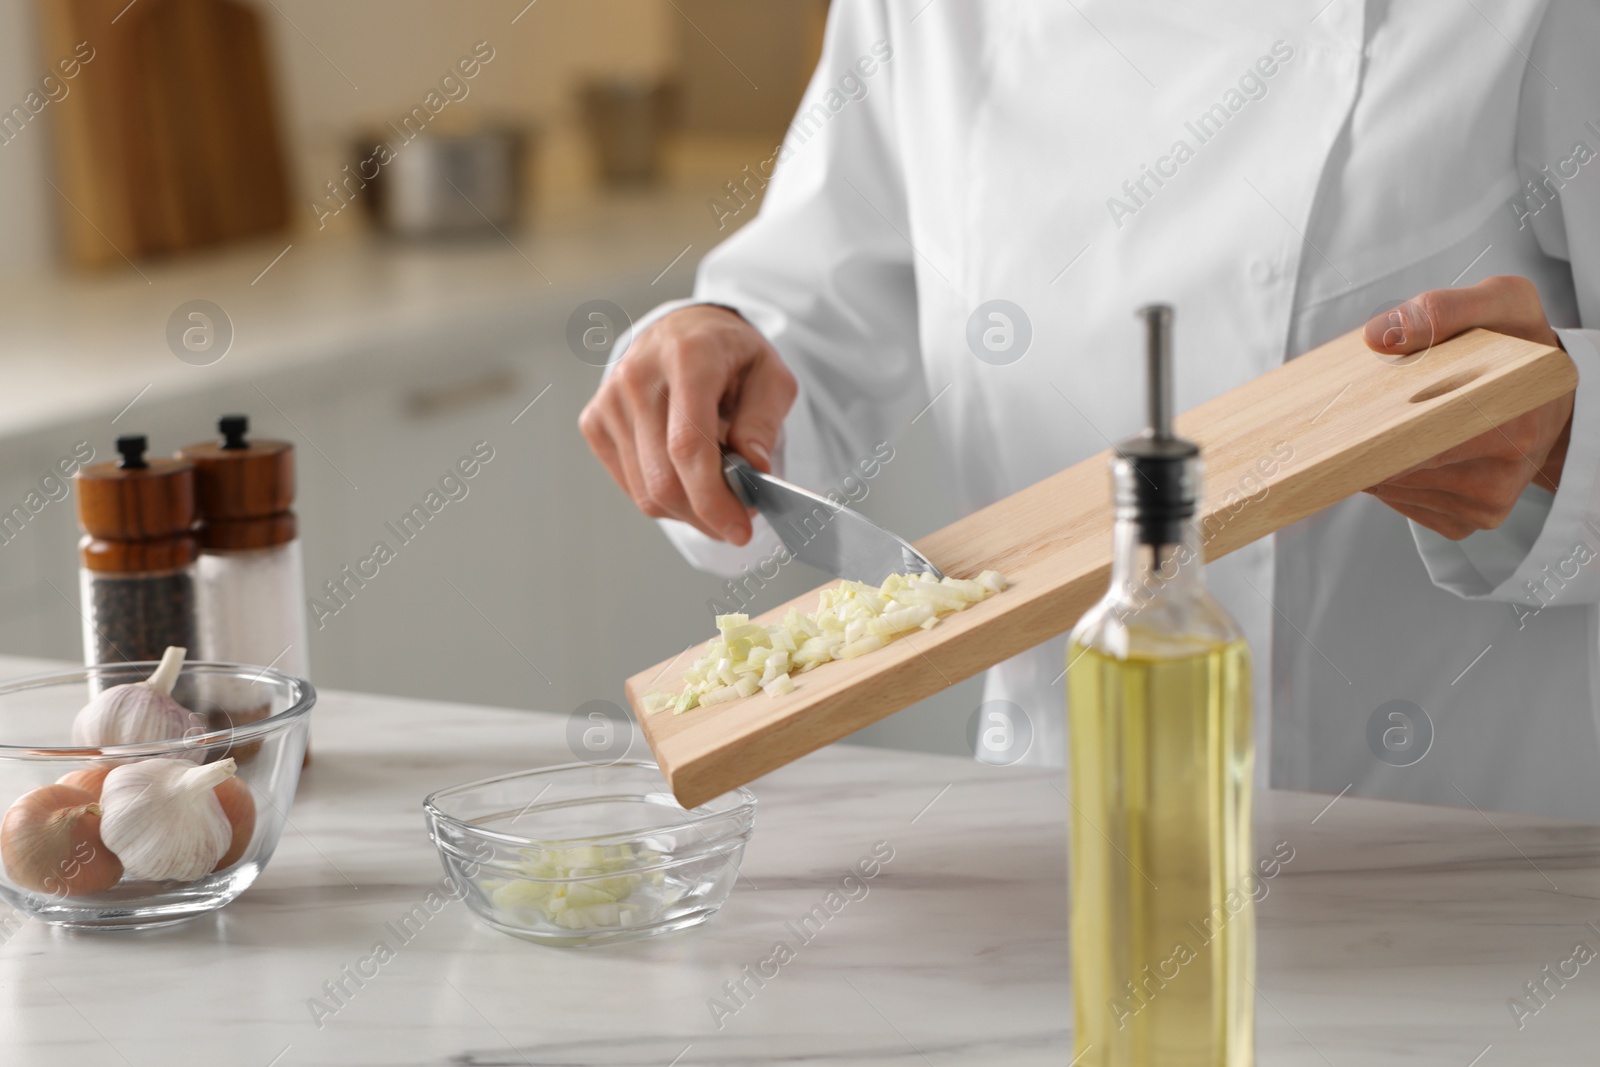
[[1292, 442], [168, 138]]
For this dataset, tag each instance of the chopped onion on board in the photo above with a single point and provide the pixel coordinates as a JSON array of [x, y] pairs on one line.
[[852, 619]]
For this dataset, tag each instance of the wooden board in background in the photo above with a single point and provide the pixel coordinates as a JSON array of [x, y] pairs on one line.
[[168, 139], [1350, 419]]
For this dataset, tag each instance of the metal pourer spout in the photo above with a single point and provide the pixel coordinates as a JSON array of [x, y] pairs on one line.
[[1157, 480], [1158, 368]]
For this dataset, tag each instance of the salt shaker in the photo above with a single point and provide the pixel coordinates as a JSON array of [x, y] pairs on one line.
[[137, 556], [251, 579]]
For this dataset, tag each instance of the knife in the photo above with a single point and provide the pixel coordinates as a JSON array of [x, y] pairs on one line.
[[823, 534]]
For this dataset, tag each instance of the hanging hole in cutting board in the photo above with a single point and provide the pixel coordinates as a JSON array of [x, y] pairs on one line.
[[1450, 384]]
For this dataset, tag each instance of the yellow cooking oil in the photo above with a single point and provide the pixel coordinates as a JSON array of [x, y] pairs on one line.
[[1163, 935]]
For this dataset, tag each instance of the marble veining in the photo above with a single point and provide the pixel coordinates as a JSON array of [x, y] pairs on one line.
[[1396, 935]]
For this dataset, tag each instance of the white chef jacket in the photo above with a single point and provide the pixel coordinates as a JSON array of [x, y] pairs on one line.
[[1279, 170]]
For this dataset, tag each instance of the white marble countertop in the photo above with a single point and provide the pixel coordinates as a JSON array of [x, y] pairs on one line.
[[1395, 935]]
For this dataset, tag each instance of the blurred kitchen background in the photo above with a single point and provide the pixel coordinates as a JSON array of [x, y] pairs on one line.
[[205, 150]]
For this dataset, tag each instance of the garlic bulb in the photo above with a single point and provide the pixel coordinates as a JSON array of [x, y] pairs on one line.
[[50, 841], [163, 818], [138, 711]]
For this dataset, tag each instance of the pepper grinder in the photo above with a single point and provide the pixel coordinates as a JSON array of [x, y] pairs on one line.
[[250, 574], [137, 556]]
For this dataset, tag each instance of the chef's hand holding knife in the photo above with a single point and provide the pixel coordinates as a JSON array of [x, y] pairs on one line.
[[703, 375], [696, 378]]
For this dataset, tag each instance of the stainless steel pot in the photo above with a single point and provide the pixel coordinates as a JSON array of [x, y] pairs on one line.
[[443, 185]]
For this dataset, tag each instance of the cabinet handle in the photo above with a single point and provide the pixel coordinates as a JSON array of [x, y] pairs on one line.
[[459, 396]]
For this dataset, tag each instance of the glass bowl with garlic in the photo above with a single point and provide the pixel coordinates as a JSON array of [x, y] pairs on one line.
[[583, 854], [141, 794]]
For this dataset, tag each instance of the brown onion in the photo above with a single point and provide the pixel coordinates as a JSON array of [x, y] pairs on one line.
[[50, 841], [239, 805], [90, 779]]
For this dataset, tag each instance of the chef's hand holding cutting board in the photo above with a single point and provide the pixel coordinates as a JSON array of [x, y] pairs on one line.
[[1474, 486], [703, 375]]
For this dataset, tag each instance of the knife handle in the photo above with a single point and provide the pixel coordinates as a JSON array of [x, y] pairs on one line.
[[741, 478]]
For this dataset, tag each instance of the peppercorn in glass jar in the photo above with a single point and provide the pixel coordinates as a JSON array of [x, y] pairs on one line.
[[137, 556]]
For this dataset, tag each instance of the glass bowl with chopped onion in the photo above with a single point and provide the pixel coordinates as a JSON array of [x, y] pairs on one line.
[[583, 854]]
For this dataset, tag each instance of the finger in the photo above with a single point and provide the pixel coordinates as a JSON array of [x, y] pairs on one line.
[[693, 395], [1519, 443], [1443, 501], [594, 425], [619, 426], [1399, 331], [632, 389], [1508, 305], [1444, 525], [1492, 478], [765, 396], [1477, 512], [1484, 497], [655, 465]]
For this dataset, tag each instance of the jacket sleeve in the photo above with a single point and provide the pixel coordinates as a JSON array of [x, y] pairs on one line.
[[1548, 551], [825, 271]]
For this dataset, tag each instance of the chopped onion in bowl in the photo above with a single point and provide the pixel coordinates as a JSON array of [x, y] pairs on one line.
[[852, 619], [584, 888]]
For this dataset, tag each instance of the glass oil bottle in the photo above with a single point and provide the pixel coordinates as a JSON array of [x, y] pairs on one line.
[[1161, 758]]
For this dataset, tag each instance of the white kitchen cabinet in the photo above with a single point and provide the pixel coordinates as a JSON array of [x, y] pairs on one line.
[[38, 565]]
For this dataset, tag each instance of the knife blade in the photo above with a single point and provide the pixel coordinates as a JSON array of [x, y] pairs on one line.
[[823, 534]]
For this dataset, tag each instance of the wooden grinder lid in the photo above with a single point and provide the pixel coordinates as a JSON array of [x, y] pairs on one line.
[[137, 512], [244, 489], [135, 498]]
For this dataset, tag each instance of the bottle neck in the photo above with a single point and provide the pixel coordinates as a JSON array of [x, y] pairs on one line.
[[1156, 552], [1143, 573]]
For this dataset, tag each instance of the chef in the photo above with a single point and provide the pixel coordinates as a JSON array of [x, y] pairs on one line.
[[973, 198]]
